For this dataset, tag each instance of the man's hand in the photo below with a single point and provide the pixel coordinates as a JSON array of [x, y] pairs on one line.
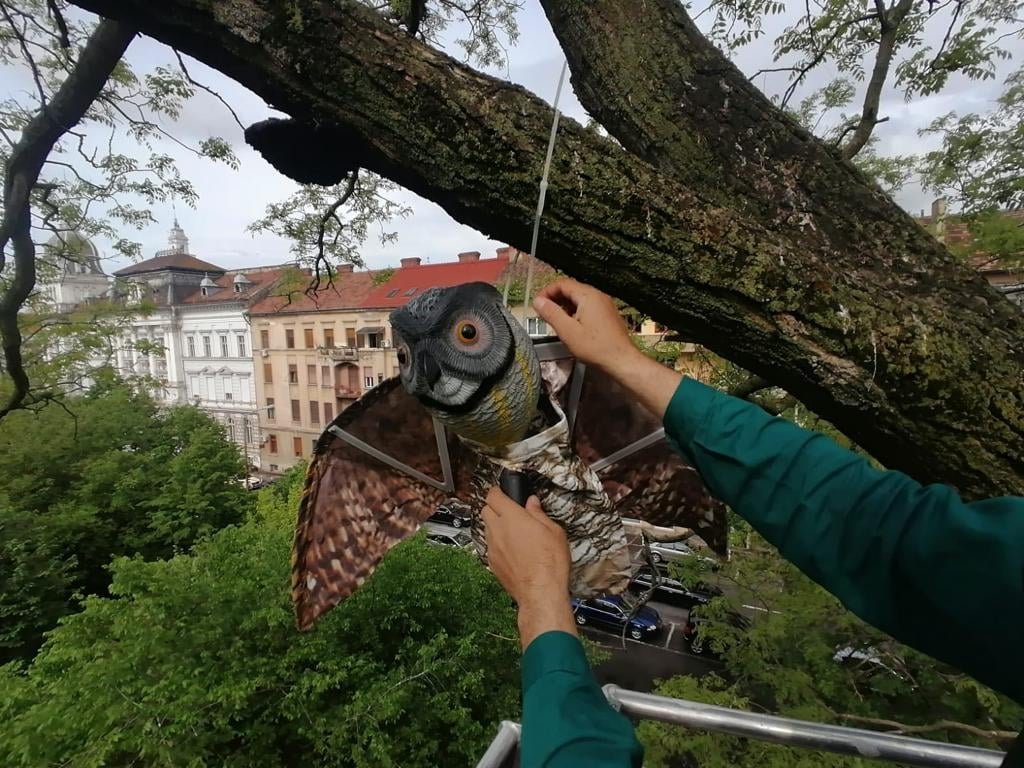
[[529, 554], [589, 324]]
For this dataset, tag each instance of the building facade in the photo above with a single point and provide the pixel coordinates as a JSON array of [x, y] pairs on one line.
[[190, 341], [318, 353]]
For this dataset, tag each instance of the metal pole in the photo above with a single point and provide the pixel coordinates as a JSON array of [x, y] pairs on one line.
[[800, 733], [504, 746]]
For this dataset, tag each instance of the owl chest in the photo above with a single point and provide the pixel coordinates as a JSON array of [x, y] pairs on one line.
[[571, 494]]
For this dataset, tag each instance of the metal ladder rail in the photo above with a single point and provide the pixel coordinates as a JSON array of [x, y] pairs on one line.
[[780, 730]]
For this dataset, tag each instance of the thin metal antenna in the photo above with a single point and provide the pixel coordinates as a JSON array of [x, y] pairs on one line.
[[540, 198]]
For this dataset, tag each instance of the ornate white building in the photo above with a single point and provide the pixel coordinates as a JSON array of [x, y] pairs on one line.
[[191, 341], [73, 268]]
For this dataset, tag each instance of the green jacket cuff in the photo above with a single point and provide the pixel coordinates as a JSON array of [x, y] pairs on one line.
[[687, 412], [553, 651]]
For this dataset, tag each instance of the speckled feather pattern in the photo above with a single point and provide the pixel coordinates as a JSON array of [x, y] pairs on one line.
[[355, 508]]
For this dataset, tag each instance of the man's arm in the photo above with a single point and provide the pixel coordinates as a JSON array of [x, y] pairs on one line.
[[566, 719], [941, 575]]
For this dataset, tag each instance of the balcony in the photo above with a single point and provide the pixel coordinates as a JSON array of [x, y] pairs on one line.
[[339, 353], [346, 393]]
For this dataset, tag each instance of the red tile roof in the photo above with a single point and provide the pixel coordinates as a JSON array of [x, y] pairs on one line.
[[411, 280], [260, 280], [289, 296], [179, 261]]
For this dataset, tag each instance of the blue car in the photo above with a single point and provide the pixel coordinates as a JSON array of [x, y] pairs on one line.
[[612, 613]]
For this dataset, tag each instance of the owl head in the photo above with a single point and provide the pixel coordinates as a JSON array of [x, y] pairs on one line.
[[464, 356]]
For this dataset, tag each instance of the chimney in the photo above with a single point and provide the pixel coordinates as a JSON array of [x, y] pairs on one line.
[[506, 253], [344, 268], [411, 261], [939, 218], [466, 256]]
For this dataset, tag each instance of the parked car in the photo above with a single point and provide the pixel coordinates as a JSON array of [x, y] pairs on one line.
[[672, 591], [449, 539], [695, 622], [868, 660], [252, 482], [612, 613], [667, 551], [454, 514]]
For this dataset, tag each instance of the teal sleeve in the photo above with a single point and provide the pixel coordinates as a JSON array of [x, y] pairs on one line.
[[566, 719], [916, 561]]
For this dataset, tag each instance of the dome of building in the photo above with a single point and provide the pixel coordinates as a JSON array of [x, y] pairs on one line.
[[76, 254]]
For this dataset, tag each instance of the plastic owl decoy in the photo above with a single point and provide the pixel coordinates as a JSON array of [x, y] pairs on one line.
[[476, 397]]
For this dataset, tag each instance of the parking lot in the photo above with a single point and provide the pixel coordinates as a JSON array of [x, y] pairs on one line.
[[636, 664]]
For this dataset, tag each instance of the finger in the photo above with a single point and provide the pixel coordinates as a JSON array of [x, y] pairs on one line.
[[500, 503], [565, 326], [565, 292]]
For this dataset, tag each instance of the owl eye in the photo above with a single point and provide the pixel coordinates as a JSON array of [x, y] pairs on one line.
[[467, 333], [403, 355]]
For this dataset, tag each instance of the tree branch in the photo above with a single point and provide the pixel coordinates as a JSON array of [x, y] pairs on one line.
[[200, 86], [783, 258], [330, 213], [893, 726], [889, 23], [62, 25], [69, 104], [749, 386]]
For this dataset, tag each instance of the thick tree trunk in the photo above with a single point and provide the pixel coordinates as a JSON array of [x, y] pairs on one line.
[[778, 256]]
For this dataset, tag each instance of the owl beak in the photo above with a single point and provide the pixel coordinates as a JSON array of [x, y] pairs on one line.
[[429, 368]]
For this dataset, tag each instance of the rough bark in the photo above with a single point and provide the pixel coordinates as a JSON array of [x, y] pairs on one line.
[[779, 257]]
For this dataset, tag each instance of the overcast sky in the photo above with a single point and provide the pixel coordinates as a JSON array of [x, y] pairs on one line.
[[230, 200]]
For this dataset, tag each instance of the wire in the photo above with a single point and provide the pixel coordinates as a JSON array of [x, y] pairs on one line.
[[541, 198]]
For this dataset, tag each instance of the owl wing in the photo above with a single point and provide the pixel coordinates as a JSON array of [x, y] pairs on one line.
[[625, 444], [378, 471]]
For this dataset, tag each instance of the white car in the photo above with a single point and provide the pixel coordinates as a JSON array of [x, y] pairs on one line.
[[449, 539], [662, 551]]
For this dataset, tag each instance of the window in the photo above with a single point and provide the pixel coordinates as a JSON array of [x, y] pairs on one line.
[[296, 410], [392, 293], [227, 395], [272, 440], [270, 409], [325, 375], [207, 349], [268, 373], [314, 412], [380, 378], [293, 373], [241, 345], [350, 337], [273, 467], [373, 340], [410, 292], [368, 378], [289, 338], [265, 339], [297, 445], [311, 375], [308, 337], [536, 327], [229, 428], [191, 346], [328, 412], [329, 338], [312, 445], [224, 347]]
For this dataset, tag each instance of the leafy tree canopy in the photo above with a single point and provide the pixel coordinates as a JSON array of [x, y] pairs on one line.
[[196, 661], [109, 476]]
